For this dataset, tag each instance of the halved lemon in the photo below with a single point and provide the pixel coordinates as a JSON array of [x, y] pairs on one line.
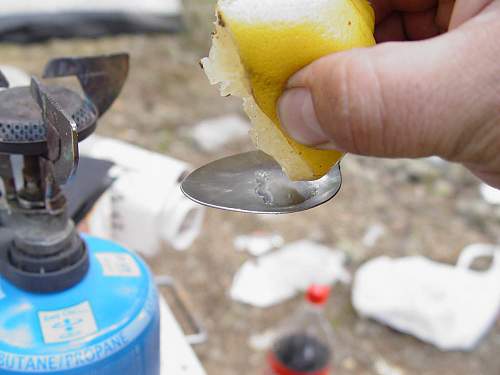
[[259, 44]]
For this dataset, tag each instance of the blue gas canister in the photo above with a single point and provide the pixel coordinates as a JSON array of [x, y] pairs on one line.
[[107, 324], [69, 305]]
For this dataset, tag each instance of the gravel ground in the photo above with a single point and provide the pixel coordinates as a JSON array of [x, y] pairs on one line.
[[426, 209]]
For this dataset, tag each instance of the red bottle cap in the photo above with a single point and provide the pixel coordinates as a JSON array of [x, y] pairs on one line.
[[279, 368], [318, 294]]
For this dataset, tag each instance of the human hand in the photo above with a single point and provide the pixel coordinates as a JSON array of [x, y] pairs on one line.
[[429, 91]]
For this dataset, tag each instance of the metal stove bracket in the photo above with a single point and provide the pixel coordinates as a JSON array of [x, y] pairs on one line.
[[101, 77], [7, 175], [200, 334], [62, 135], [3, 81]]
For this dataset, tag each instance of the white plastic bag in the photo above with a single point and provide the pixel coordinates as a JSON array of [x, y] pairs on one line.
[[450, 307], [280, 275], [490, 194]]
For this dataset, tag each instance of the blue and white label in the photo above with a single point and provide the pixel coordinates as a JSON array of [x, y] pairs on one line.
[[67, 324], [59, 362], [84, 356], [118, 265]]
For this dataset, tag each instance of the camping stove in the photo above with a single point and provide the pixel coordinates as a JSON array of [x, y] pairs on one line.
[[68, 304]]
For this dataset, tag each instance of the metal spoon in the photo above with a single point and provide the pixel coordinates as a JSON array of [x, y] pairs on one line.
[[253, 182]]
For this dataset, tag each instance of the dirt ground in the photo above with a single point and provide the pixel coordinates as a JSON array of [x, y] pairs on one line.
[[425, 208]]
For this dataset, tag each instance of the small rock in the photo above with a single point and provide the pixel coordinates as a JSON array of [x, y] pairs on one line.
[[373, 234], [317, 235], [355, 251], [258, 243], [422, 171], [213, 134], [476, 210], [443, 188], [262, 341], [382, 367], [349, 364]]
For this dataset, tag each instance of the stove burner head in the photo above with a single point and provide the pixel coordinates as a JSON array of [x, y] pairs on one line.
[[40, 250], [22, 129]]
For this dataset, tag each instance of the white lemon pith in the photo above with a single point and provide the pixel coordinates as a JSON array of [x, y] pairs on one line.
[[259, 44]]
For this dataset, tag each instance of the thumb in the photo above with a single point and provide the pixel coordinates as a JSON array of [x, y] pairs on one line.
[[412, 99]]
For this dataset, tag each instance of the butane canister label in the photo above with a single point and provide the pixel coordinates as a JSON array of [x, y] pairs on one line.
[[78, 358], [118, 265], [84, 356], [67, 324]]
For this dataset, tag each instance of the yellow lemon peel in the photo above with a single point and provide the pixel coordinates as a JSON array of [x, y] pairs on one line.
[[253, 59]]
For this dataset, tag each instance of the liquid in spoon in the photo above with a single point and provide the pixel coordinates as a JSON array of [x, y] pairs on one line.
[[277, 192]]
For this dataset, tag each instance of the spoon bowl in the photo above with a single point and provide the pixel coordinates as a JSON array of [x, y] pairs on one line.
[[254, 182]]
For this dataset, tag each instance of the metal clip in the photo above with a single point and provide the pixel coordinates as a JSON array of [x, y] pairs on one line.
[[101, 77], [200, 334], [62, 135], [7, 175]]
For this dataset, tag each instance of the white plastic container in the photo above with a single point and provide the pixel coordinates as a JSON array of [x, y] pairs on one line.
[[144, 208]]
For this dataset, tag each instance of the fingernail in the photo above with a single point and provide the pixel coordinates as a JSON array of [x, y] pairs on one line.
[[298, 117]]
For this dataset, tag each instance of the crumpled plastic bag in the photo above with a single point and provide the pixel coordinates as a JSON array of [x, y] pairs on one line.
[[490, 194], [282, 274], [451, 307]]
